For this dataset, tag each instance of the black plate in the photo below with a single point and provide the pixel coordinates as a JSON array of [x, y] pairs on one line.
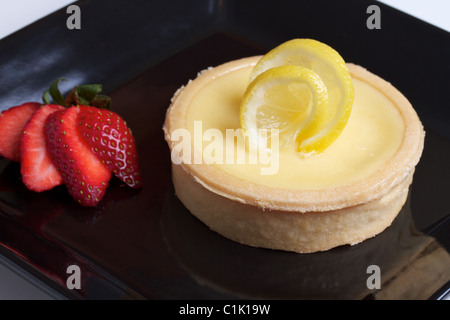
[[145, 244]]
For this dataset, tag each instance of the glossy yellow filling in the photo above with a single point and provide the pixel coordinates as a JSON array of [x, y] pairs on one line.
[[372, 136]]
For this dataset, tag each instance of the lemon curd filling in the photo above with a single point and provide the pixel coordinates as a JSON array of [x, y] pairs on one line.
[[373, 134]]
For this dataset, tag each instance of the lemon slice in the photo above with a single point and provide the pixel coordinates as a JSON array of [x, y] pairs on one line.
[[291, 99], [313, 123]]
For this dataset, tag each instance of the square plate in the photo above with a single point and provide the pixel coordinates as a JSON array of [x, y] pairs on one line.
[[145, 244]]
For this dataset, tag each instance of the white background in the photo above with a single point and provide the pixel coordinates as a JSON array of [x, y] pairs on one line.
[[16, 14], [436, 12]]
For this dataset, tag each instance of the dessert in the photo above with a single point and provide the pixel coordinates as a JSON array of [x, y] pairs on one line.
[[12, 122], [37, 169], [279, 197], [76, 142]]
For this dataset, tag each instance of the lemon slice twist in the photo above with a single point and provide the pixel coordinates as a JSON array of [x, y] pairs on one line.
[[303, 89]]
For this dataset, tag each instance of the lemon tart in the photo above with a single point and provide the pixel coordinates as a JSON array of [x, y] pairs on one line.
[[347, 193]]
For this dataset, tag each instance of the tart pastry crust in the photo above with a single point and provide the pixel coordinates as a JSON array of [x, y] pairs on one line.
[[302, 221]]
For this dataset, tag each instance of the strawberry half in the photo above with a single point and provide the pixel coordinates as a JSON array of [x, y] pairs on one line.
[[12, 122], [37, 169], [85, 176], [111, 140]]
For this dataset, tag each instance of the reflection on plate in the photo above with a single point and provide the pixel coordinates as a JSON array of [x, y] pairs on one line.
[[407, 259]]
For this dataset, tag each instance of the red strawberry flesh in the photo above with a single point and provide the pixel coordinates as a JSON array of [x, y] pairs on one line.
[[112, 141], [37, 169], [12, 122], [83, 173]]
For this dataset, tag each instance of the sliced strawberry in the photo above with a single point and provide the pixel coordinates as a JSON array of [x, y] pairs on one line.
[[112, 141], [37, 169], [12, 122], [84, 175]]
